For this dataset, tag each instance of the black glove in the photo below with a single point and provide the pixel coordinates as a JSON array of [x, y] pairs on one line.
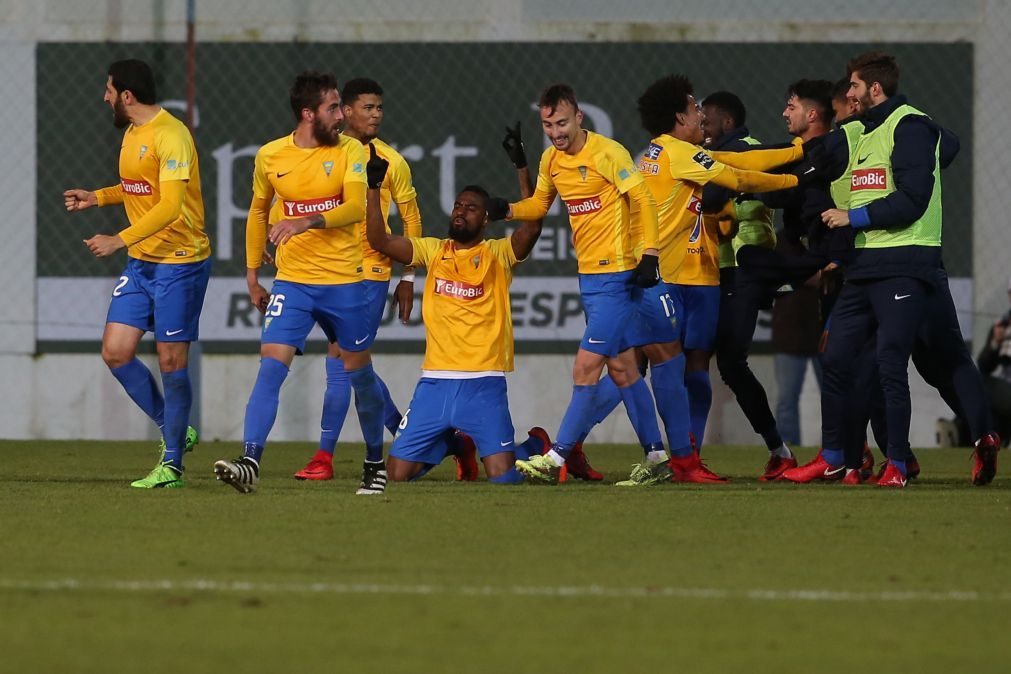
[[498, 208], [513, 145], [375, 170], [647, 272]]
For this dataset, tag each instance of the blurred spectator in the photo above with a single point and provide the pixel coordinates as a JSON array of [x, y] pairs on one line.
[[994, 362]]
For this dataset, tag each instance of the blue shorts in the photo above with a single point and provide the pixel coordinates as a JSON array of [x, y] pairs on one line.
[[609, 303], [700, 315], [376, 294], [340, 310], [657, 317], [165, 299], [478, 407]]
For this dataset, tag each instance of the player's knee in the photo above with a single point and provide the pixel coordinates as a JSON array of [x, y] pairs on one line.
[[401, 471], [116, 356]]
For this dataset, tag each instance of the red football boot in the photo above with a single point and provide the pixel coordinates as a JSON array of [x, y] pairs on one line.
[[853, 476], [692, 469], [465, 457], [892, 477], [776, 466], [579, 466], [984, 459], [867, 467], [542, 435], [320, 467], [815, 469]]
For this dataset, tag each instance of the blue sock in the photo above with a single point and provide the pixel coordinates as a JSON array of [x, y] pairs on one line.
[[261, 410], [577, 419], [178, 400], [607, 400], [336, 401], [834, 457], [642, 413], [529, 447], [253, 451], [511, 476], [700, 400], [901, 465], [668, 381], [140, 385], [369, 405], [391, 415]]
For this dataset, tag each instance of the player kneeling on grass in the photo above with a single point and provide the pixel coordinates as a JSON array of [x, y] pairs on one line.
[[468, 336]]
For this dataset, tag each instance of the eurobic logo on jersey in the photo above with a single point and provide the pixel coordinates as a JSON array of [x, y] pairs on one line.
[[583, 206], [136, 187], [458, 289], [311, 206], [869, 179]]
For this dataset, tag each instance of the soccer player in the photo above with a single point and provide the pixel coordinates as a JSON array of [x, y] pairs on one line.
[[162, 288], [319, 176], [362, 107], [600, 185], [468, 336], [894, 207], [676, 169]]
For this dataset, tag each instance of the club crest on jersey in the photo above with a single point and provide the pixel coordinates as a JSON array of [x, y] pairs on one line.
[[582, 173], [143, 151], [327, 167], [703, 160], [476, 261], [653, 151]]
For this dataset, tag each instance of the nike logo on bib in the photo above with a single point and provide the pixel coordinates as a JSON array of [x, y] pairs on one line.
[[901, 297], [863, 159]]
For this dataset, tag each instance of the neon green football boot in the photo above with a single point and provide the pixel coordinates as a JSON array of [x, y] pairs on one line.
[[163, 476], [540, 468], [646, 474], [192, 439]]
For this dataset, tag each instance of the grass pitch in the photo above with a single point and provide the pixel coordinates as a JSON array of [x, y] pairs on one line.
[[439, 576]]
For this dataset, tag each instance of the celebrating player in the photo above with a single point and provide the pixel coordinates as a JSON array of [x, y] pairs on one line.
[[676, 168], [600, 186], [468, 337], [362, 107], [162, 288], [319, 176]]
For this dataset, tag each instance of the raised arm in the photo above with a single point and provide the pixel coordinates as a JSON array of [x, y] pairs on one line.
[[395, 247], [526, 235]]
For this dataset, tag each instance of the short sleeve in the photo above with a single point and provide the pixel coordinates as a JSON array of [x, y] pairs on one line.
[[503, 251], [425, 249]]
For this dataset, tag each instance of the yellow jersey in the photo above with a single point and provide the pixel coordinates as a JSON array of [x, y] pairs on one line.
[[675, 172], [397, 188], [309, 181], [158, 151], [465, 307], [592, 184]]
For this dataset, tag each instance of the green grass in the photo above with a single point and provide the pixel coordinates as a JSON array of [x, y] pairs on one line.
[[448, 559]]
